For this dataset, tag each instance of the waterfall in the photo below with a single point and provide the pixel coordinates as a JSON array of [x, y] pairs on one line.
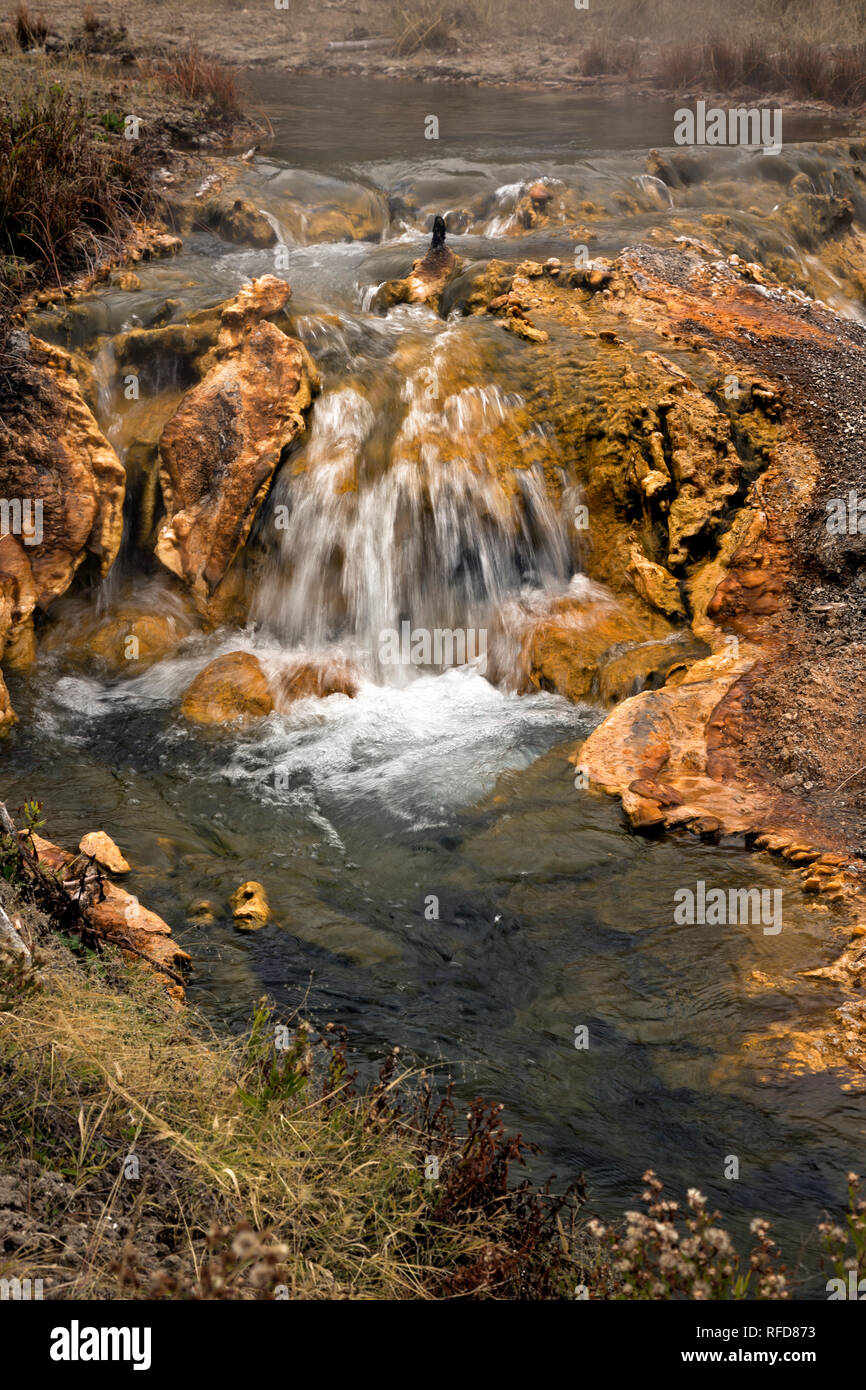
[[408, 511]]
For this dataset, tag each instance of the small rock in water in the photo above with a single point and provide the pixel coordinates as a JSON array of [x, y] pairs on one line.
[[104, 851], [201, 911], [540, 194], [250, 906], [231, 688]]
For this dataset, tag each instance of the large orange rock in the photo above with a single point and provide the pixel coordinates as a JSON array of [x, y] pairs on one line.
[[17, 602], [231, 689], [235, 687], [220, 450], [63, 487], [655, 751], [104, 851]]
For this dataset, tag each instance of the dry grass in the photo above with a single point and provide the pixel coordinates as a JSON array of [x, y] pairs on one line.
[[246, 1148], [69, 193], [805, 70], [31, 30], [773, 22], [143, 1155], [602, 57], [814, 53], [199, 78], [262, 1174]]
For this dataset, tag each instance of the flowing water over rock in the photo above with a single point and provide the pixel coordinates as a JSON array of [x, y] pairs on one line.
[[436, 878]]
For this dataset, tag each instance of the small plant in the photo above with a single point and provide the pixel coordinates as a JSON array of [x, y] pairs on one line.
[[666, 1254], [32, 816], [112, 122], [274, 1072], [845, 1246]]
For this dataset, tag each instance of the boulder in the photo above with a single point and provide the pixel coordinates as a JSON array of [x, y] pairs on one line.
[[236, 687], [317, 679], [62, 486], [239, 221], [119, 919], [356, 213], [656, 751], [17, 602], [231, 689], [656, 585], [565, 649], [132, 641], [220, 450], [7, 714]]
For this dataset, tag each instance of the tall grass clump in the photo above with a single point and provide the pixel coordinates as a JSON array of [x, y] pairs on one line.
[[808, 71], [192, 74], [31, 30], [68, 195]]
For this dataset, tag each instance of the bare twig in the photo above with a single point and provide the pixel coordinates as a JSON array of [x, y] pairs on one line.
[[850, 779]]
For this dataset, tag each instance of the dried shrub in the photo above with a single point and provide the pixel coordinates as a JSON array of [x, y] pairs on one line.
[[31, 30], [70, 196], [423, 24], [680, 64], [192, 74], [807, 70], [601, 58]]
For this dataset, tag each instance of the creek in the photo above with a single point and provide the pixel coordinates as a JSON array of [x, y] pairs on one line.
[[438, 786]]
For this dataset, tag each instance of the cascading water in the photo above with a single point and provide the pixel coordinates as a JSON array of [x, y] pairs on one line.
[[407, 513]]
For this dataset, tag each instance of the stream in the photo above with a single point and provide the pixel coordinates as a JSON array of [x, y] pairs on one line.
[[437, 880]]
